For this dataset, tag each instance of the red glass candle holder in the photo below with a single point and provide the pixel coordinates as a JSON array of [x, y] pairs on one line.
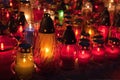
[[98, 54], [112, 51], [84, 56], [8, 49], [68, 55], [103, 31]]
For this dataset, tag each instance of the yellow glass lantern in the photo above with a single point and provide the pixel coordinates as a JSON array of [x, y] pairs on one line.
[[45, 44], [24, 64]]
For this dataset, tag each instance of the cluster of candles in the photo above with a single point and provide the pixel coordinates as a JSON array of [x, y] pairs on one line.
[[47, 50]]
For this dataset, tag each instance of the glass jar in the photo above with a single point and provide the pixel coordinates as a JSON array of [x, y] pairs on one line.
[[24, 64]]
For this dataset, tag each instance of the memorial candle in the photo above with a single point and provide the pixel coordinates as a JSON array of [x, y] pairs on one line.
[[112, 52], [24, 65], [98, 53], [84, 56], [68, 49]]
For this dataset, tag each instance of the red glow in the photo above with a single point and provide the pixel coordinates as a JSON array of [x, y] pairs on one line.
[[68, 51], [96, 6], [1, 46], [84, 56], [103, 31], [98, 53], [112, 51], [7, 15]]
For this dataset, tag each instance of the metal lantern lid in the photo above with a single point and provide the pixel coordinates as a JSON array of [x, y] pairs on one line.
[[46, 25], [69, 36], [25, 48], [84, 42]]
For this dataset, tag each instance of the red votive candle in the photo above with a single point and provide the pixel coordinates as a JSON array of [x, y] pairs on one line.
[[98, 54], [112, 52], [84, 56], [68, 53]]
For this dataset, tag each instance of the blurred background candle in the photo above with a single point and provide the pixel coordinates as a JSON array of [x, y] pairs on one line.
[[112, 48], [26, 8], [87, 9], [98, 51], [68, 49], [24, 64], [104, 24], [111, 9]]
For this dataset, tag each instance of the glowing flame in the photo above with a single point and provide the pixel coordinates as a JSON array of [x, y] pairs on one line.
[[7, 15], [24, 60], [20, 29], [76, 32], [46, 50], [83, 52], [98, 49], [2, 46], [11, 4]]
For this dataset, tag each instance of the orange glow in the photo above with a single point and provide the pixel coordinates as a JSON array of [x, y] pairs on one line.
[[46, 50], [47, 53], [24, 60], [76, 32], [68, 48], [20, 29], [2, 46], [90, 32]]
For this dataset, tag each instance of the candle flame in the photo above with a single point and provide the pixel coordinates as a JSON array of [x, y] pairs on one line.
[[27, 16], [2, 46], [30, 26], [7, 15], [11, 4], [76, 32], [90, 32], [24, 60], [68, 48], [88, 6], [98, 49], [46, 50], [83, 52], [20, 29]]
